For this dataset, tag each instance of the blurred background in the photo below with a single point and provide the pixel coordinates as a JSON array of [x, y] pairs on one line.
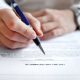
[[33, 5]]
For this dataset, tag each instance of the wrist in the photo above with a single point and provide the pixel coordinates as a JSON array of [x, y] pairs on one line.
[[76, 11], [71, 14]]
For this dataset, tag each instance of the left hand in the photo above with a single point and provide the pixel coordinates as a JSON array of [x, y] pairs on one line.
[[55, 22]]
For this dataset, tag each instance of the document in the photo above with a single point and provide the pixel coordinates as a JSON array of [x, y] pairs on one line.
[[65, 46], [62, 58]]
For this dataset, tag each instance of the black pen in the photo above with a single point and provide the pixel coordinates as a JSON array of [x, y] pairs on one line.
[[26, 21]]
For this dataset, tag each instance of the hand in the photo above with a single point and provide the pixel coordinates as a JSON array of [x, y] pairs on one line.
[[14, 33], [55, 22]]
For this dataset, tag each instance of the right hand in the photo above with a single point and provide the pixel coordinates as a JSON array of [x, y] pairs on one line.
[[55, 23], [13, 32]]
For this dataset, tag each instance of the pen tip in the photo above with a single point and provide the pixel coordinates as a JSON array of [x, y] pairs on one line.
[[41, 49]]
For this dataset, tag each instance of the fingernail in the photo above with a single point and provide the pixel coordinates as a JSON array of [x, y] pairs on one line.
[[40, 33], [39, 29]]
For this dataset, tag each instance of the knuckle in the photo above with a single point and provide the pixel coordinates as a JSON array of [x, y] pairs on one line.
[[12, 24], [27, 33]]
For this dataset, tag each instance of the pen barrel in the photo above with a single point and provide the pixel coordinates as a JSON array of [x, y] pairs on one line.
[[21, 14], [25, 20]]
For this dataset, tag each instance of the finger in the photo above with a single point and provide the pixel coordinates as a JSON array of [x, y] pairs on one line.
[[12, 44], [10, 34], [39, 13], [35, 24], [52, 34], [45, 19], [15, 24], [46, 27]]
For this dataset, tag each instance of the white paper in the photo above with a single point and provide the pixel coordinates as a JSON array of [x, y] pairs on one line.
[[62, 59], [66, 46]]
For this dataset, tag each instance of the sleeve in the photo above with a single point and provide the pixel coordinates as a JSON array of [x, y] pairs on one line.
[[76, 10], [3, 5]]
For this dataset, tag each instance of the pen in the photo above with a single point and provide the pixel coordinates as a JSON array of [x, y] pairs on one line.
[[26, 21]]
